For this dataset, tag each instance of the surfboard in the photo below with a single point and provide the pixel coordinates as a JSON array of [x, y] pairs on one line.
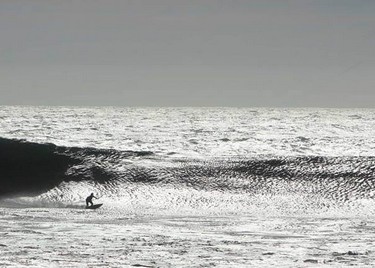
[[94, 206]]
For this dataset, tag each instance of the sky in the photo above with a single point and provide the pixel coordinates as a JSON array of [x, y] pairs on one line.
[[240, 53]]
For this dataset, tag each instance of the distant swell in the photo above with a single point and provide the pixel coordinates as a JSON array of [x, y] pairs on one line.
[[30, 169]]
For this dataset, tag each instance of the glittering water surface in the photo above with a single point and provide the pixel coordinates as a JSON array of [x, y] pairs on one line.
[[35, 237], [196, 187], [198, 132]]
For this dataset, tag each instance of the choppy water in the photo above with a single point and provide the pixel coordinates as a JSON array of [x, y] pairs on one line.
[[198, 132], [190, 157], [172, 168]]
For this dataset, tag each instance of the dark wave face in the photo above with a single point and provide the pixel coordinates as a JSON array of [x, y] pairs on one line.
[[30, 169]]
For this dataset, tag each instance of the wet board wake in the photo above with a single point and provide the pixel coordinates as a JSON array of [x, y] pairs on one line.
[[94, 206]]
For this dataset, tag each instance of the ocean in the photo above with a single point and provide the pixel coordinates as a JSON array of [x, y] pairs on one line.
[[187, 187]]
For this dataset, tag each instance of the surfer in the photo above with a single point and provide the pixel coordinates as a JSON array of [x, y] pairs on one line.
[[89, 199]]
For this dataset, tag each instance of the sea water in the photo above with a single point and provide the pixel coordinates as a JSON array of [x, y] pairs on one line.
[[188, 187]]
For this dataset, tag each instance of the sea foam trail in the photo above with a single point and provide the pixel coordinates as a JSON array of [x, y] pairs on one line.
[[65, 174]]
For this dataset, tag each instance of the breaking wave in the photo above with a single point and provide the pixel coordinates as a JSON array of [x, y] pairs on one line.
[[63, 176]]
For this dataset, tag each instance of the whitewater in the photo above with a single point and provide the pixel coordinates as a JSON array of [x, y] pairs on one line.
[[187, 187]]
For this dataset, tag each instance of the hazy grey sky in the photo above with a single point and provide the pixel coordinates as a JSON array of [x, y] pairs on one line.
[[188, 53]]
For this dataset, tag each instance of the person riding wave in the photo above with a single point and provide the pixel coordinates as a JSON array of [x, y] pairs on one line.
[[89, 200]]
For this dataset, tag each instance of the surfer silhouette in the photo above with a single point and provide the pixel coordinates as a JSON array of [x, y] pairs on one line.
[[89, 200]]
